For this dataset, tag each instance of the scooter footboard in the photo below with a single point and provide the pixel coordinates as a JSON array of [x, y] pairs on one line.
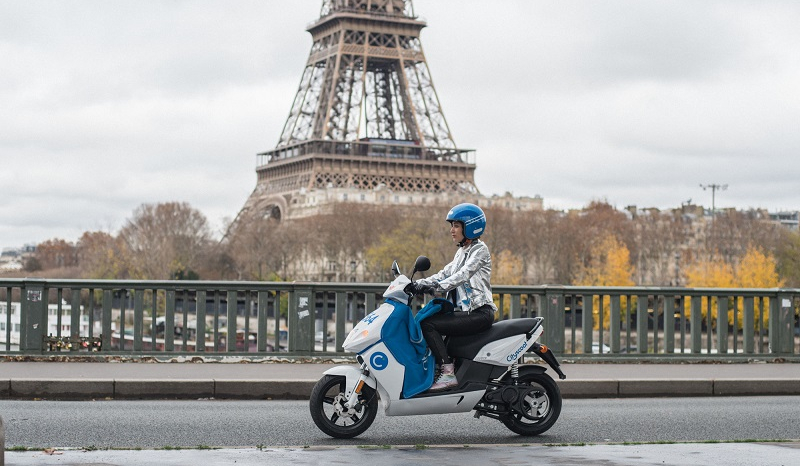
[[352, 375], [460, 402]]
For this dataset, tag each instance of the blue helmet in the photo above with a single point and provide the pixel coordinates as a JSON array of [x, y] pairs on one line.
[[471, 216]]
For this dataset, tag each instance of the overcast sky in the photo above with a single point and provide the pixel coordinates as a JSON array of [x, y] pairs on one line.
[[106, 105]]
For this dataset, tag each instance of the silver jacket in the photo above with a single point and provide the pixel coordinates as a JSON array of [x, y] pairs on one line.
[[470, 274]]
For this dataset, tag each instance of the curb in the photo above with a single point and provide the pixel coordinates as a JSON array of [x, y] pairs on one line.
[[631, 388], [140, 389], [137, 389]]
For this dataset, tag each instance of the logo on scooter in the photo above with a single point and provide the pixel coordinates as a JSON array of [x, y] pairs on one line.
[[514, 356], [379, 361], [370, 318]]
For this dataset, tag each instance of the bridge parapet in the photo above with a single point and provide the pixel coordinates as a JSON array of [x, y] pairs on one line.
[[280, 319]]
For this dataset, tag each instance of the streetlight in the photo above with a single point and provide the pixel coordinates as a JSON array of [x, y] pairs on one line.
[[714, 188]]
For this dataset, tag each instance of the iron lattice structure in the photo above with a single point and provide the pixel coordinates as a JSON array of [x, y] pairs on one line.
[[366, 117]]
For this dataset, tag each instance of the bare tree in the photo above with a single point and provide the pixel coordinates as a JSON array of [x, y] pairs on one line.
[[659, 236], [548, 244], [103, 256], [788, 255], [56, 253], [165, 239]]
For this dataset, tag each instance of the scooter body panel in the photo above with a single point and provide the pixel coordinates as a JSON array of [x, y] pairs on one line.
[[387, 371], [508, 350], [368, 331]]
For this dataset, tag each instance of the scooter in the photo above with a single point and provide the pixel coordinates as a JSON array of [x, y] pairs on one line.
[[397, 367]]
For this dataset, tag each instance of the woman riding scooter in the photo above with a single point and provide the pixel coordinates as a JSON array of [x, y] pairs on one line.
[[466, 280]]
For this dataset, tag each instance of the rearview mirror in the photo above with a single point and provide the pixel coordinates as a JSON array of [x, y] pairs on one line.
[[421, 264], [395, 269]]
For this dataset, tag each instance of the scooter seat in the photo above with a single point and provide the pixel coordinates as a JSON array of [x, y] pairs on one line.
[[468, 346]]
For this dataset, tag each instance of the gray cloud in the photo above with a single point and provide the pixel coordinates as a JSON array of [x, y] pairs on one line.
[[108, 105]]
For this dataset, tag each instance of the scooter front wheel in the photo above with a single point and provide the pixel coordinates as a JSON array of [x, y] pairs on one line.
[[330, 414]]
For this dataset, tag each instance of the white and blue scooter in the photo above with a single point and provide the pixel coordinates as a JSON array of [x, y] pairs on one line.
[[397, 367]]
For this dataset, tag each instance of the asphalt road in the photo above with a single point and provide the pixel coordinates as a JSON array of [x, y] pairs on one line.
[[158, 424]]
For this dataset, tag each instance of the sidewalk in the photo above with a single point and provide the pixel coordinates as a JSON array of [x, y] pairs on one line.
[[288, 380], [685, 454]]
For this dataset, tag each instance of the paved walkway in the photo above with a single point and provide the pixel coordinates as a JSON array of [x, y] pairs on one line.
[[692, 454], [131, 380]]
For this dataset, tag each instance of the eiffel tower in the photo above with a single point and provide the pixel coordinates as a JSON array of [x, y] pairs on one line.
[[366, 124]]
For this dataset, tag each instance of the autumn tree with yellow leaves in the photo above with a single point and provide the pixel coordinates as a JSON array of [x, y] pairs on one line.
[[609, 265], [507, 269], [756, 270]]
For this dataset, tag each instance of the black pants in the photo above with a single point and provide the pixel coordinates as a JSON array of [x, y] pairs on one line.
[[458, 323]]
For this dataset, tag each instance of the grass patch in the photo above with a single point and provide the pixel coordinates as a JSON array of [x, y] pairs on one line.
[[667, 442], [20, 448]]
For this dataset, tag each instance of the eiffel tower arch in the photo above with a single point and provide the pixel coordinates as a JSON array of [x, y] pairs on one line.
[[366, 124]]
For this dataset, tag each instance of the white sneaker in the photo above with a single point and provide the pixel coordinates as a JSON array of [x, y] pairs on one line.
[[446, 380]]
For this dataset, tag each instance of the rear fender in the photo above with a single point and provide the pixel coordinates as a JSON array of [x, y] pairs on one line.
[[525, 369], [352, 375], [531, 369]]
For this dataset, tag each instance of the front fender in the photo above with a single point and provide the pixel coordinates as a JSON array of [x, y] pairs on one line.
[[352, 375]]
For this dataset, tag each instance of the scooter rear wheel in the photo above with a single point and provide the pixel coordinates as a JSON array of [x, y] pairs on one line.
[[543, 404], [330, 415]]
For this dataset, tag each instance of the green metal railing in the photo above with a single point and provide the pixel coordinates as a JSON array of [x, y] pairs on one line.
[[199, 318]]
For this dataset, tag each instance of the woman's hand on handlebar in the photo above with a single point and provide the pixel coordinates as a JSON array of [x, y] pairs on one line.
[[419, 289]]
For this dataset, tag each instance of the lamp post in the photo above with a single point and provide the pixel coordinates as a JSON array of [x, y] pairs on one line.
[[714, 188]]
